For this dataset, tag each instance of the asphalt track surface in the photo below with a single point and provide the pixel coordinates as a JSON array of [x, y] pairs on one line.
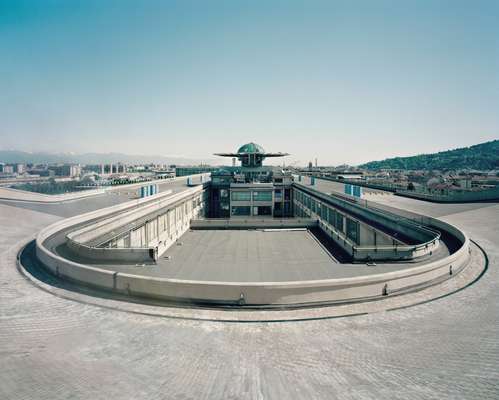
[[56, 348]]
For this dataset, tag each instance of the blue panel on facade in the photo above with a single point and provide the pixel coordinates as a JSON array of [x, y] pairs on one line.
[[348, 189], [312, 180], [356, 191]]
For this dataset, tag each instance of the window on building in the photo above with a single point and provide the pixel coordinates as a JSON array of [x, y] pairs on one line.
[[224, 193], [353, 230], [287, 209], [287, 194], [262, 196], [241, 210], [339, 222], [240, 195], [332, 216], [324, 213], [263, 210]]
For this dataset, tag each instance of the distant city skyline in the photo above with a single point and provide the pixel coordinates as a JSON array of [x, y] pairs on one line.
[[15, 156], [343, 82]]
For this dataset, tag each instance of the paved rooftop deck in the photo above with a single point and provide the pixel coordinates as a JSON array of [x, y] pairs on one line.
[[56, 348], [247, 255]]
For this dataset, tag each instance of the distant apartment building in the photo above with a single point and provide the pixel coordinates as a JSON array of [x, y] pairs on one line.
[[74, 171], [41, 172], [61, 169], [8, 169], [192, 170], [20, 168]]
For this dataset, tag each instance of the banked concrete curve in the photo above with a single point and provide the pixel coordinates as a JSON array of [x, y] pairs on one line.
[[252, 294], [23, 196]]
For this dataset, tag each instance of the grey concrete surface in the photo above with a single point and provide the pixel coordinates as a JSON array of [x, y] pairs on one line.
[[54, 348], [80, 206], [242, 255], [252, 256]]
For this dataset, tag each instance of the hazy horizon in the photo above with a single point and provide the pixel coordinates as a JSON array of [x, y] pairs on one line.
[[340, 81], [213, 160]]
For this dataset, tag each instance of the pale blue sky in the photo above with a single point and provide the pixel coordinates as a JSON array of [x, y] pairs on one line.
[[343, 81]]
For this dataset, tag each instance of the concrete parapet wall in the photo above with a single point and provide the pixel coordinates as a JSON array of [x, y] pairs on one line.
[[358, 208], [99, 228], [76, 240], [429, 239], [250, 223], [24, 195], [291, 293], [257, 293], [137, 255], [455, 196], [33, 197], [125, 254]]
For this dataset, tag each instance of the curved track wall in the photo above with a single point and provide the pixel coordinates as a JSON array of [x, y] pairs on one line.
[[255, 293]]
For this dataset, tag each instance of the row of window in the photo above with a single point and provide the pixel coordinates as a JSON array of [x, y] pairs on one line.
[[246, 195], [330, 215], [164, 222], [246, 210]]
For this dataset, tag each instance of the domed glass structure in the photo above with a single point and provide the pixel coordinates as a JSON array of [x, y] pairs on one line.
[[250, 148], [251, 155]]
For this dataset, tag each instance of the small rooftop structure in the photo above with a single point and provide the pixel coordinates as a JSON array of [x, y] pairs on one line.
[[251, 155]]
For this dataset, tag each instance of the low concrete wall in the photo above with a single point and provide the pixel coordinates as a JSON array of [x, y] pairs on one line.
[[429, 239], [85, 219], [33, 197], [67, 269], [77, 240], [292, 293], [356, 209], [257, 293], [253, 223], [124, 254], [90, 232], [24, 195], [455, 197]]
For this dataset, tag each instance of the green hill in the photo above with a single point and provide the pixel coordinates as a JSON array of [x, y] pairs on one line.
[[484, 156]]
